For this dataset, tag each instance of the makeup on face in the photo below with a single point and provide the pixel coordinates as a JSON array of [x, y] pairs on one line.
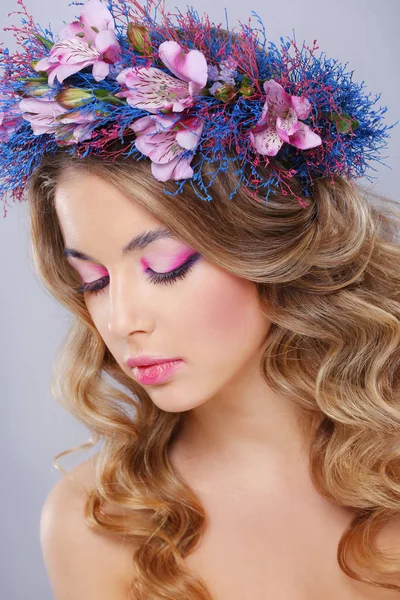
[[163, 257], [166, 260]]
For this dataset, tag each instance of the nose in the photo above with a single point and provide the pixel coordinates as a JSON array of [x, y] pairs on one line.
[[129, 305]]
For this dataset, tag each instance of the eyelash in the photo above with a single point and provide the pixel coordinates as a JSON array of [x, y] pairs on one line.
[[98, 286]]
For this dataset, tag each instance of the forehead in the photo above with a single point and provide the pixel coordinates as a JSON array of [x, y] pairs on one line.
[[87, 202]]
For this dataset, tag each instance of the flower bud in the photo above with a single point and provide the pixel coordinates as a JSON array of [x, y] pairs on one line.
[[74, 97], [139, 38], [247, 91], [226, 93], [245, 88], [35, 88]]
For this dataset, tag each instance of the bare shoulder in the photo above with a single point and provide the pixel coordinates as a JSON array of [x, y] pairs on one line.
[[81, 563]]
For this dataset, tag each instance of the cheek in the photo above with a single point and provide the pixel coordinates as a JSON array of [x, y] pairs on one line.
[[98, 316], [227, 314]]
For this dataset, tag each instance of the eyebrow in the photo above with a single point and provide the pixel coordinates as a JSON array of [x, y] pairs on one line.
[[138, 242]]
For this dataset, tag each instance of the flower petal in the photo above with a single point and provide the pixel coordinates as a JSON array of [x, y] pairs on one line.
[[106, 43], [158, 140], [39, 128], [166, 150], [288, 125], [163, 172], [76, 117], [266, 142], [52, 75], [189, 137], [263, 119], [183, 170], [190, 66], [151, 89], [304, 138], [64, 71], [141, 124], [70, 31], [50, 108], [82, 132], [178, 168], [143, 145], [96, 14], [164, 122], [72, 51], [277, 98], [100, 70], [150, 78], [43, 65], [158, 123], [301, 105]]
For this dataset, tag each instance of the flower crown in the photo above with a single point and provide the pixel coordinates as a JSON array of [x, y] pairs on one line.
[[117, 83]]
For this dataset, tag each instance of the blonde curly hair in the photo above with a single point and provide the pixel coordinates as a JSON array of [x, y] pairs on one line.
[[329, 278]]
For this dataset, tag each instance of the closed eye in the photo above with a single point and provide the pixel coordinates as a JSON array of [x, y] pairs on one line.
[[171, 277]]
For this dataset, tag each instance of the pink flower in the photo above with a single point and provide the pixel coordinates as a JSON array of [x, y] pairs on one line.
[[279, 122], [153, 90], [10, 121], [46, 116], [164, 139], [89, 41]]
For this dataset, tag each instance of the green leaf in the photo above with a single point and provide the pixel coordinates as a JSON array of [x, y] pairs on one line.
[[100, 94], [36, 79], [105, 96], [46, 43], [344, 123]]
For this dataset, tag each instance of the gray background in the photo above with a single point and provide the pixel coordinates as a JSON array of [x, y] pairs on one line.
[[34, 428]]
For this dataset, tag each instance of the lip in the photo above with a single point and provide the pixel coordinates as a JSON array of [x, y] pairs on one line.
[[157, 373], [146, 360]]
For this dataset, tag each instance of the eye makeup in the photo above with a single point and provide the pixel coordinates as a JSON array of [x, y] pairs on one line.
[[166, 261], [179, 269], [88, 272]]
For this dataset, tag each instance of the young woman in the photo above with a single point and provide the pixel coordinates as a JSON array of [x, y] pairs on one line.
[[271, 442], [238, 359]]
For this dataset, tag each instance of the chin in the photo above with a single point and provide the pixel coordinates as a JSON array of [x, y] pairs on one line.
[[174, 401]]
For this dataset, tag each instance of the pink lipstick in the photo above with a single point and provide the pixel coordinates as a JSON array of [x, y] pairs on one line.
[[156, 373]]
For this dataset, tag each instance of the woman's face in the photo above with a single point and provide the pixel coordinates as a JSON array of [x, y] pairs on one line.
[[207, 317]]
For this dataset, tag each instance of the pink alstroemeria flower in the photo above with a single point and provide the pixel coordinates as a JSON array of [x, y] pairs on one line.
[[279, 122], [89, 41], [10, 121], [164, 139], [46, 116], [153, 90]]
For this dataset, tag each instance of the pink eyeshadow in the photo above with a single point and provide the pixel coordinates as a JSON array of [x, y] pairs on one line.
[[175, 264], [90, 273]]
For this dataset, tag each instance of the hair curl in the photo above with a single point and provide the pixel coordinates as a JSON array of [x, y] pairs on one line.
[[328, 277]]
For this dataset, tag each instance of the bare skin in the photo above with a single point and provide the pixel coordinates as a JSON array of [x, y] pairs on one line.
[[271, 538], [268, 537], [242, 449]]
